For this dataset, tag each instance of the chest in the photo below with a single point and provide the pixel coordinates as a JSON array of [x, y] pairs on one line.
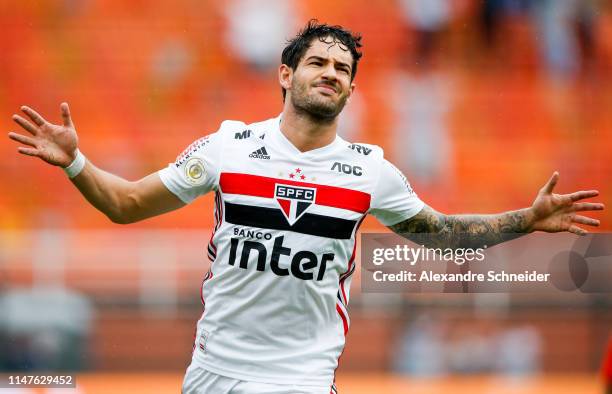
[[260, 162]]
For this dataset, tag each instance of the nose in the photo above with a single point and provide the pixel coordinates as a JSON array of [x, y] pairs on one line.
[[329, 72]]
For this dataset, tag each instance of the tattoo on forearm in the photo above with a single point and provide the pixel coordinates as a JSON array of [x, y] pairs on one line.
[[434, 229]]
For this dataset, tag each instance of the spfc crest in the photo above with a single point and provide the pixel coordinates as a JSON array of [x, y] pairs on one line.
[[294, 200]]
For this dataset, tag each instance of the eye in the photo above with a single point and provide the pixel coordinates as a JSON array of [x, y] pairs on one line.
[[316, 63]]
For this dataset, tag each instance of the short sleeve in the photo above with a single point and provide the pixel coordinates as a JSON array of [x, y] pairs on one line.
[[195, 171], [394, 200]]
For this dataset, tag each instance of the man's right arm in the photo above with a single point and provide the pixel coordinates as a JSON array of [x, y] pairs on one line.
[[121, 200], [124, 201]]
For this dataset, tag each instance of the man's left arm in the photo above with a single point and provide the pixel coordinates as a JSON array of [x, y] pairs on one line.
[[550, 212]]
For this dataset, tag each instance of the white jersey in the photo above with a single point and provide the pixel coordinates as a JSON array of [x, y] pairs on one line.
[[283, 247]]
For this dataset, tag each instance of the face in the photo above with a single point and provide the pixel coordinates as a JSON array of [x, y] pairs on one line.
[[321, 83]]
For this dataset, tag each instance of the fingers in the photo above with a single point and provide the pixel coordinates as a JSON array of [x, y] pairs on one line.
[[25, 124], [29, 151], [582, 194], [66, 114], [585, 220], [552, 182], [36, 118], [577, 230], [22, 138], [587, 206]]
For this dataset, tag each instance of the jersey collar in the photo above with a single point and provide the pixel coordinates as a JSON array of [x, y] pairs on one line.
[[279, 139]]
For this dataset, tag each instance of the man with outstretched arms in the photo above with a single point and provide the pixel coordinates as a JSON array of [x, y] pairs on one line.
[[290, 195]]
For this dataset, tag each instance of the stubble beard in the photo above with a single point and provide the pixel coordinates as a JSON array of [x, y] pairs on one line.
[[313, 105]]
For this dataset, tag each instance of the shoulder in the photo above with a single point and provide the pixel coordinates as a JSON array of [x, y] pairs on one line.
[[236, 130], [364, 153], [231, 128], [209, 143], [364, 149]]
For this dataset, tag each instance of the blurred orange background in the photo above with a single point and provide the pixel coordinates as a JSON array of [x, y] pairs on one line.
[[477, 102]]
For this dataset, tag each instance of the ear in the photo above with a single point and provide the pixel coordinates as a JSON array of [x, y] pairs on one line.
[[350, 92], [285, 76]]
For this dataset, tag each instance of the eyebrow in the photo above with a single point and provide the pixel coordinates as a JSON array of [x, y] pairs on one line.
[[315, 57]]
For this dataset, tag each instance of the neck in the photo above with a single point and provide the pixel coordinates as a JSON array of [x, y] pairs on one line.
[[306, 132]]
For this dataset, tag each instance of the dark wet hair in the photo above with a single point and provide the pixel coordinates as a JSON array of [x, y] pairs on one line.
[[298, 45]]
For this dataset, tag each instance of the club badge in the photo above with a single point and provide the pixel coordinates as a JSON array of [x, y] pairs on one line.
[[294, 200]]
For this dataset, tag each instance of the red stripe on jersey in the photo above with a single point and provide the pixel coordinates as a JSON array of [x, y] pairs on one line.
[[349, 269], [344, 322], [207, 277], [348, 272], [218, 221], [261, 186]]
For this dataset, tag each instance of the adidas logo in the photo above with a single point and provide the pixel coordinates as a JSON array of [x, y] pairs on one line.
[[260, 153]]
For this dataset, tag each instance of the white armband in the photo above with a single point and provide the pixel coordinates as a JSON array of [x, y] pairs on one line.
[[76, 166]]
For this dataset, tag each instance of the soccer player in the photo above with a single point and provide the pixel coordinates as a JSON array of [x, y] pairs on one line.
[[290, 195]]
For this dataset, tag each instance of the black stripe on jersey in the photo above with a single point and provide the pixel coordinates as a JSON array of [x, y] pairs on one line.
[[273, 219]]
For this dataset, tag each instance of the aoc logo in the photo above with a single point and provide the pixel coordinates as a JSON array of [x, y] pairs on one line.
[[294, 200], [347, 169]]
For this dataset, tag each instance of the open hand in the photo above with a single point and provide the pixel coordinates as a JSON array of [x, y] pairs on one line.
[[55, 144], [559, 212]]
